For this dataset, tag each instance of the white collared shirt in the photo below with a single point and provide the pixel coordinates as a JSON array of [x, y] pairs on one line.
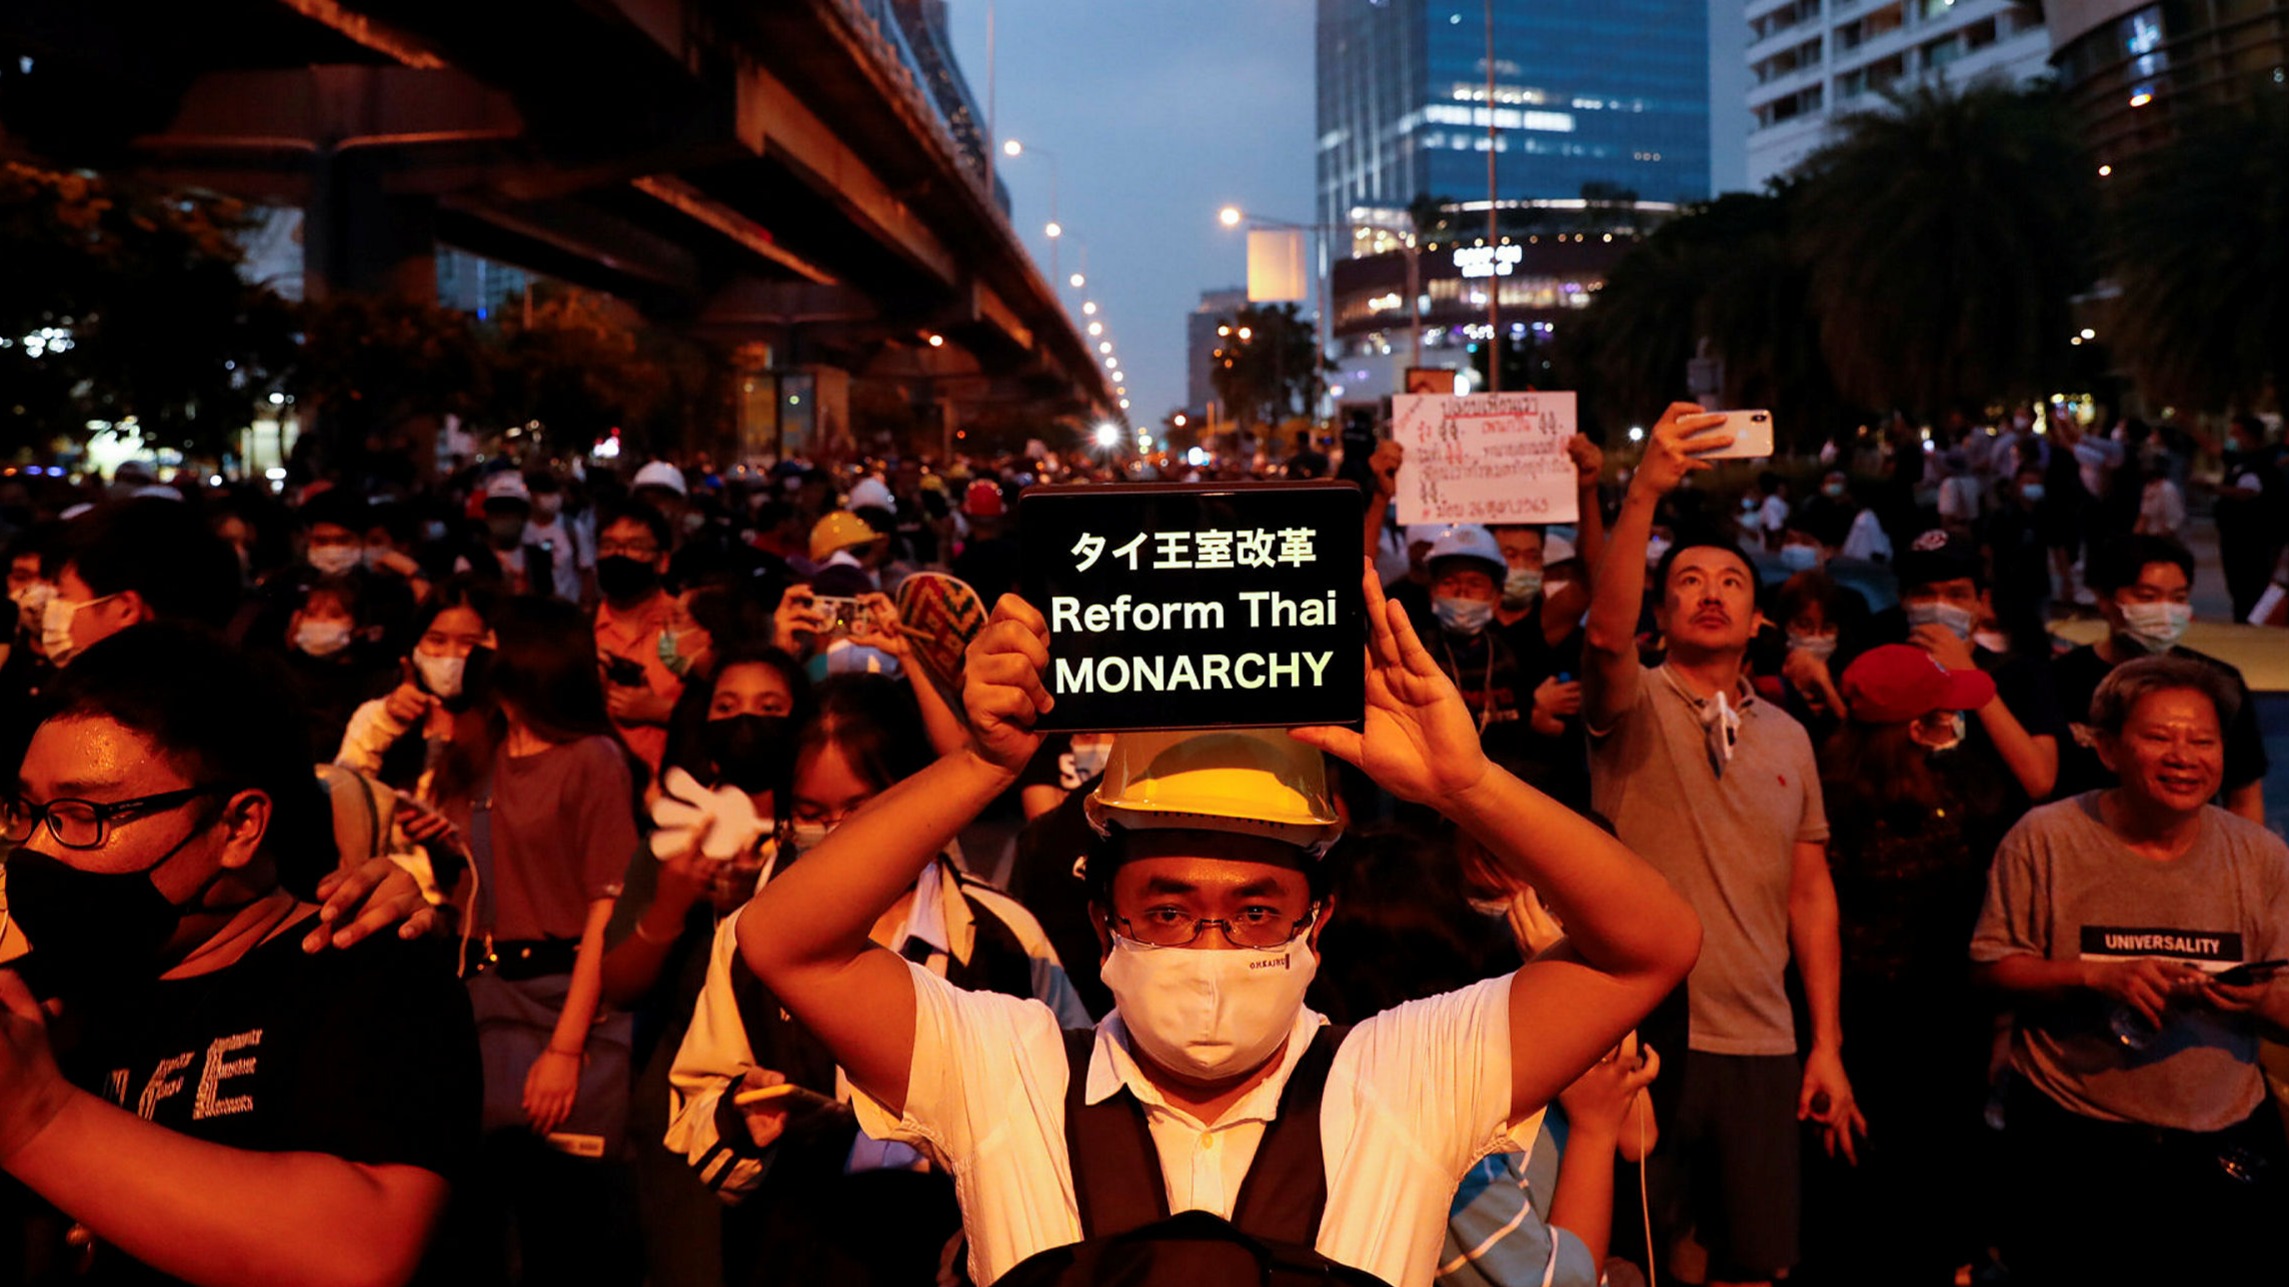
[[1415, 1096]]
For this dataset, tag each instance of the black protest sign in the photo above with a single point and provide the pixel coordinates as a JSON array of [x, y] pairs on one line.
[[1171, 606]]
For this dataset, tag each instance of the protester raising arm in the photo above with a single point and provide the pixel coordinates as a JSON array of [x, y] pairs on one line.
[[805, 934], [1631, 939], [1609, 661]]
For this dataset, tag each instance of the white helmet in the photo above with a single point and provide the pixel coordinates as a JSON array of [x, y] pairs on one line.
[[660, 473]]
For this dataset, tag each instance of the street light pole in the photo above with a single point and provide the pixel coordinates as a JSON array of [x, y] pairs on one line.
[[1493, 227], [1054, 230]]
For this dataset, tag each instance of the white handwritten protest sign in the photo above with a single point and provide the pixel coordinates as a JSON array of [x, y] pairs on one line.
[[1485, 458]]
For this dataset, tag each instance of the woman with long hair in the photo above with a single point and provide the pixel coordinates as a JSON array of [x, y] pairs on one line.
[[545, 795]]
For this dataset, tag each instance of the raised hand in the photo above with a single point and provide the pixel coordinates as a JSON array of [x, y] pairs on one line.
[[1419, 741], [1676, 445], [1002, 690]]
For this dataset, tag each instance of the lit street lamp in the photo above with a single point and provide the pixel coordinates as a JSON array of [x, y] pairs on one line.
[[1013, 149]]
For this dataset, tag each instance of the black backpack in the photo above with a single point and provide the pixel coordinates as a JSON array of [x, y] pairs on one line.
[[1130, 1239]]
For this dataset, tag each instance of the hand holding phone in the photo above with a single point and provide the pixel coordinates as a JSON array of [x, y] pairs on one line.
[[1752, 436]]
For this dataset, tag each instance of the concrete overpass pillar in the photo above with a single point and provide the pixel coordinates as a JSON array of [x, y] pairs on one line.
[[360, 238]]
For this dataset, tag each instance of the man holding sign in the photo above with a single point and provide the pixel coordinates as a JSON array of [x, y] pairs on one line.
[[1206, 883]]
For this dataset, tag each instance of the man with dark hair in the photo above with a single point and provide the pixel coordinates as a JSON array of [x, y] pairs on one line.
[[2117, 923], [219, 1106], [139, 560], [2144, 586], [1720, 792], [633, 609]]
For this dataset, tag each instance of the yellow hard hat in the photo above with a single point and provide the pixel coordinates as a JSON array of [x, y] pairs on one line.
[[838, 531], [1257, 782]]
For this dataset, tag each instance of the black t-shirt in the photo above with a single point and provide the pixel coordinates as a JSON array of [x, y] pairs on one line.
[[367, 1054], [2076, 676]]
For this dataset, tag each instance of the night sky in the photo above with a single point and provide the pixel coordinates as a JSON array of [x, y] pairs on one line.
[[1159, 112]]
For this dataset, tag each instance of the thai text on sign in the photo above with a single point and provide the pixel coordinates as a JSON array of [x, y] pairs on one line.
[[1197, 607], [1485, 458]]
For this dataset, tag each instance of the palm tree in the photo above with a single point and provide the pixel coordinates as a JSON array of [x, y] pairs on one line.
[[1943, 235], [2199, 243]]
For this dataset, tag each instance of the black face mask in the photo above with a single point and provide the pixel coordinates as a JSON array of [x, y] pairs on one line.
[[751, 752], [94, 933], [621, 577]]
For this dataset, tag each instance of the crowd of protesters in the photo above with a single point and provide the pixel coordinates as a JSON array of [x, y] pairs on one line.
[[549, 876]]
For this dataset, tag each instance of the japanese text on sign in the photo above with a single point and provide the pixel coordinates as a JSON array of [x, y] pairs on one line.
[[1485, 458], [1173, 607]]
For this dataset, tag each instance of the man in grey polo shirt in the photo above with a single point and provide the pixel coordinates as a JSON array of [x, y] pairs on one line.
[[1719, 791]]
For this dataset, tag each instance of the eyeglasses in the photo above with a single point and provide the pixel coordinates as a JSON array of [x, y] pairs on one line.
[[1257, 927], [610, 549], [84, 824]]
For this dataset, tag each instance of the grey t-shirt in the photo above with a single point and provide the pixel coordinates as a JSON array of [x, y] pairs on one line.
[[1726, 841], [2065, 888]]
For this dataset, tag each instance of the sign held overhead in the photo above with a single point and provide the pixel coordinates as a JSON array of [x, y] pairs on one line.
[[1230, 605], [1485, 458]]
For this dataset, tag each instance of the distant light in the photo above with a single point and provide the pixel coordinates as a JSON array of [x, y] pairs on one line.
[[1013, 148], [277, 399], [1637, 433], [2105, 171], [2089, 334], [1177, 420], [1053, 229], [1105, 346], [1108, 434], [2141, 98], [794, 400], [1223, 330], [1124, 404], [1247, 333], [1089, 308], [214, 480], [1078, 281], [1096, 328], [1230, 216], [1196, 457], [937, 341], [274, 474]]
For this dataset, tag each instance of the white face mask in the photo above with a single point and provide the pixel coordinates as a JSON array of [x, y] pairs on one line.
[[334, 560], [56, 627], [439, 674], [1206, 1013], [32, 603], [2156, 627], [1821, 646], [1937, 611], [322, 638]]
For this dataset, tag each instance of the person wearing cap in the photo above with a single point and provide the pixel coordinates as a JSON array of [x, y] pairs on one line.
[[1719, 791], [1914, 820], [661, 485], [1209, 897], [988, 560], [506, 503], [2113, 923], [843, 539], [1468, 571], [1946, 610], [2144, 586]]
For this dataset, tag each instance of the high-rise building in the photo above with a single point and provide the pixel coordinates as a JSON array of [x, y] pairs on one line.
[[1201, 343], [1811, 62], [2134, 69], [1588, 100]]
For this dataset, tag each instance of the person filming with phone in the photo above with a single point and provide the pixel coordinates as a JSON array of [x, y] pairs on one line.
[[2137, 931], [1719, 791]]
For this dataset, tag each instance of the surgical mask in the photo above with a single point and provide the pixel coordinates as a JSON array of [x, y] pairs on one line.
[[2156, 627], [32, 603], [1748, 504], [1207, 1013], [56, 627], [624, 578], [440, 674], [2033, 492], [334, 560], [1800, 558], [751, 752], [672, 655], [1462, 616], [322, 638], [1960, 620], [1992, 640], [1655, 549], [1820, 646], [93, 932], [1956, 727], [1519, 586]]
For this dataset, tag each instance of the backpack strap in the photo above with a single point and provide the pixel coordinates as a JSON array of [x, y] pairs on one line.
[[1285, 1193], [1117, 1185], [1117, 1181]]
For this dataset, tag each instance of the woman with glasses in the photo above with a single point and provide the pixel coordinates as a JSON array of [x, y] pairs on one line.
[[807, 1189]]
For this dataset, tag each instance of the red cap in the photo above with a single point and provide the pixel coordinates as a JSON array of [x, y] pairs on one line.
[[983, 500], [1900, 682]]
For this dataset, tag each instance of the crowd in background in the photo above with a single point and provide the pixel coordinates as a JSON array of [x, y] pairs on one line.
[[524, 685]]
